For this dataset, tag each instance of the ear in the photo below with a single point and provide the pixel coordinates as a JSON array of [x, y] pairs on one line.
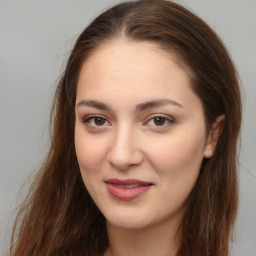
[[214, 135]]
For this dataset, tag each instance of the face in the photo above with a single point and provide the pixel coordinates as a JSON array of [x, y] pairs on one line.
[[140, 134]]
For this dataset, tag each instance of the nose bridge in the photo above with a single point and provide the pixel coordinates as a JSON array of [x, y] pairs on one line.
[[125, 148]]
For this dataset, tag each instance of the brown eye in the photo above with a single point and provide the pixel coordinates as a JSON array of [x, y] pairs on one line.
[[96, 121], [159, 121], [99, 121]]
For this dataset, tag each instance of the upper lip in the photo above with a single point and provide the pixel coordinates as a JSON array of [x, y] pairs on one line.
[[128, 182]]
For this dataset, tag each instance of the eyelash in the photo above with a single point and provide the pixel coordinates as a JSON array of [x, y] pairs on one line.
[[167, 119], [93, 117]]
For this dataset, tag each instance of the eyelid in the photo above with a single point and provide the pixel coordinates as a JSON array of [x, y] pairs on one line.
[[87, 118], [168, 118]]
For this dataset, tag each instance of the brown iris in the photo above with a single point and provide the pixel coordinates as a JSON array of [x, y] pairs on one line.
[[99, 121], [159, 121]]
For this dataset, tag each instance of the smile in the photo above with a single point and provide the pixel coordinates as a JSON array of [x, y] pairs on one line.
[[127, 189], [129, 186]]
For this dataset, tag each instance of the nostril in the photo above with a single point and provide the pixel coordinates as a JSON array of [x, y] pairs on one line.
[[125, 152], [124, 160]]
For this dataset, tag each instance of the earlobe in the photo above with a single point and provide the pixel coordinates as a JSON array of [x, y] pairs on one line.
[[214, 135]]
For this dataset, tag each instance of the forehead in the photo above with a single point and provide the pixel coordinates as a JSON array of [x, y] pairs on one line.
[[122, 57], [133, 70], [126, 50]]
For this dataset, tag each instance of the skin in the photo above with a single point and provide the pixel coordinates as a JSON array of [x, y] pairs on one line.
[[128, 142]]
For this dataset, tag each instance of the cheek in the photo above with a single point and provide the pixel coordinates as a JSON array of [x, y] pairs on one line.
[[177, 164], [90, 152], [178, 158]]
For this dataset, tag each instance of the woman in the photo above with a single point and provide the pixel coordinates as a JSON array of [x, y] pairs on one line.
[[143, 153]]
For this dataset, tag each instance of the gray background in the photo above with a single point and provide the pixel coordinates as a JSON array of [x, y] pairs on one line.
[[35, 39]]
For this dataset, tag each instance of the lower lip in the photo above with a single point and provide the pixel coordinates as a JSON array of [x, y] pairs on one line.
[[126, 193]]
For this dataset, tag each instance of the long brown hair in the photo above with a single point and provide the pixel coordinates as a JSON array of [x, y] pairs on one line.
[[60, 218]]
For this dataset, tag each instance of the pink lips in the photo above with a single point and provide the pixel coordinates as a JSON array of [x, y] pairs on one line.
[[127, 189]]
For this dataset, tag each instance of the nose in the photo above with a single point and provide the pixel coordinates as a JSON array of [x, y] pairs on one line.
[[125, 151]]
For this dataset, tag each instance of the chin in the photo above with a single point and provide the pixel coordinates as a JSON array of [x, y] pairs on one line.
[[126, 220], [127, 224]]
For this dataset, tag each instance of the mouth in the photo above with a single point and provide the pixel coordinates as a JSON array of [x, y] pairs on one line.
[[127, 189]]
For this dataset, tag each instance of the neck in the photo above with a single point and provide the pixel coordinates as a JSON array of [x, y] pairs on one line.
[[161, 240]]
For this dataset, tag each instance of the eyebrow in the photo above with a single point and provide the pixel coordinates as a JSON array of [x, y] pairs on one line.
[[94, 104], [139, 108], [156, 103]]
